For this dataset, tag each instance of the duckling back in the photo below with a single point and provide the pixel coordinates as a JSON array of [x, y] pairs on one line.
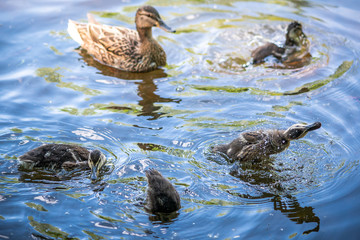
[[254, 145], [54, 155], [162, 196]]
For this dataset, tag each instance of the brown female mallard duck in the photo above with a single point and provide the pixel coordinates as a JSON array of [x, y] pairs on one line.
[[295, 48], [162, 196], [57, 156], [123, 48], [257, 145]]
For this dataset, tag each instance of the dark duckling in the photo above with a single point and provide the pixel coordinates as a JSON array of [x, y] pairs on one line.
[[57, 156], [162, 196], [295, 47], [257, 145], [123, 48]]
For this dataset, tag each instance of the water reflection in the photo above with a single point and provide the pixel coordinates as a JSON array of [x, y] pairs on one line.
[[265, 177], [146, 87], [163, 218], [291, 208]]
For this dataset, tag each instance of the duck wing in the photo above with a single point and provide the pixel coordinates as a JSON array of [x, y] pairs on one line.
[[117, 40], [253, 137], [114, 46], [260, 53]]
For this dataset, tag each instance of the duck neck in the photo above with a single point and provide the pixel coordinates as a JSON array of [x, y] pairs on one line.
[[145, 34], [278, 141]]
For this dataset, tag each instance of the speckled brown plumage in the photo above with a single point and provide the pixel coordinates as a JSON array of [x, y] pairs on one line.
[[257, 145], [123, 48]]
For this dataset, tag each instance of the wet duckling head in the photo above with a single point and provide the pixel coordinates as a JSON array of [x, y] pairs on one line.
[[298, 131], [148, 17], [295, 35], [96, 160]]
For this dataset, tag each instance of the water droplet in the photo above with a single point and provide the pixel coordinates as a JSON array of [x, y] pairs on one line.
[[180, 89]]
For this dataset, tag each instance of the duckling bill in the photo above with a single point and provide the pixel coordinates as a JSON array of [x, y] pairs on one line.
[[57, 156], [162, 196], [123, 48], [294, 49], [257, 145]]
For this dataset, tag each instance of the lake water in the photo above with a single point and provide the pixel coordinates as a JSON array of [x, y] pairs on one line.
[[51, 91]]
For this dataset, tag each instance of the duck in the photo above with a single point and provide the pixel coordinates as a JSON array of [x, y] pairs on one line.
[[162, 196], [295, 49], [123, 48], [254, 146], [64, 156]]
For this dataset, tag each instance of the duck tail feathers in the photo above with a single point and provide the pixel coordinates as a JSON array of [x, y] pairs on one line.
[[74, 33]]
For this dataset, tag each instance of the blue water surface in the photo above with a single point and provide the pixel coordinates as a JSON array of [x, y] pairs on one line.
[[52, 91]]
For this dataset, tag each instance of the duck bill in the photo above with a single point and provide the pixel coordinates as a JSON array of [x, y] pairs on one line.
[[313, 126], [163, 26], [94, 173]]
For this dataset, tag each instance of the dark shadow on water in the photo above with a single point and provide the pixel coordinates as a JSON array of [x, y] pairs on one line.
[[261, 174], [146, 87], [163, 218], [290, 207]]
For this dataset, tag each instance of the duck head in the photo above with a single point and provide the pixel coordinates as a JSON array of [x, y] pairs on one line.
[[96, 160], [148, 17], [295, 36], [298, 131]]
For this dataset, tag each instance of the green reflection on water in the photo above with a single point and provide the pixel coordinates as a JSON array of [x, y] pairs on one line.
[[109, 219], [215, 201], [56, 51], [93, 235], [52, 75], [77, 195], [36, 206], [16, 130], [127, 180], [2, 218], [115, 15], [279, 108], [169, 150], [229, 125], [8, 180], [343, 68], [48, 229], [272, 114]]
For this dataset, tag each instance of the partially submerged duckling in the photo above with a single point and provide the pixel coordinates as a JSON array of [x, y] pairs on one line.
[[57, 156], [123, 48], [295, 47], [162, 196], [257, 145]]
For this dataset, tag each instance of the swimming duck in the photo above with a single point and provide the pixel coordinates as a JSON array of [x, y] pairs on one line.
[[162, 196], [295, 48], [123, 48], [257, 145], [56, 156]]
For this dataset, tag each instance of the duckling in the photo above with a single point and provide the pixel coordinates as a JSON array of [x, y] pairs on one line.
[[257, 145], [123, 48], [162, 196], [295, 47], [56, 156]]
